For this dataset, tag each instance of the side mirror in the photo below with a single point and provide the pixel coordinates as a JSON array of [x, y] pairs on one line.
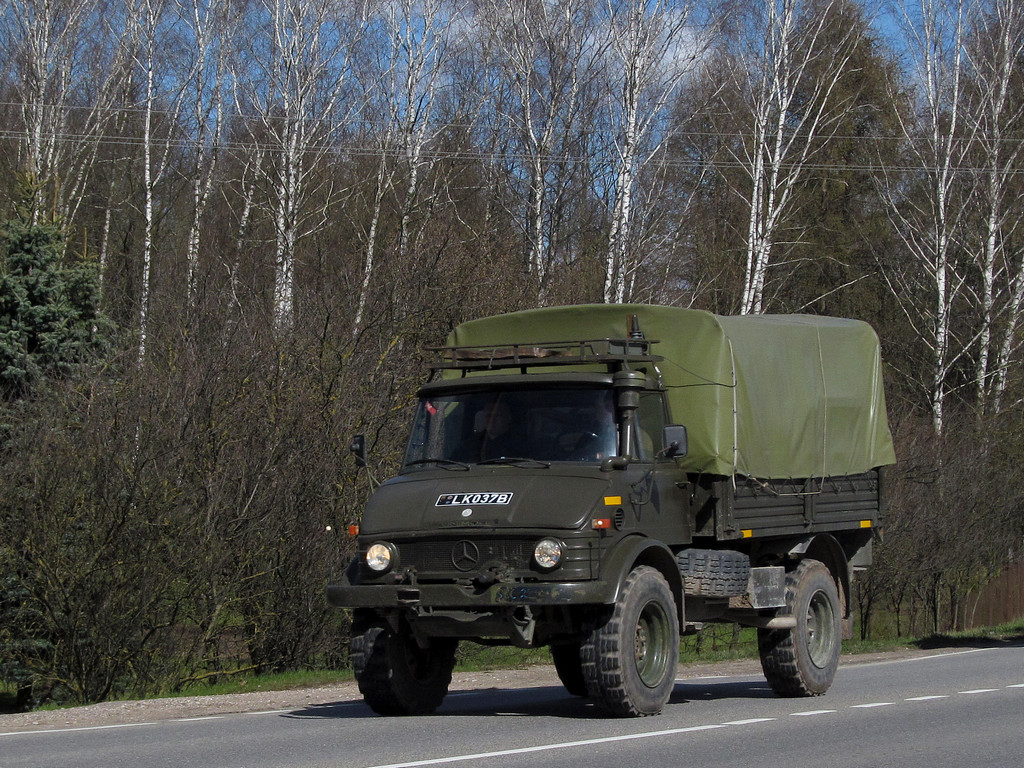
[[358, 449], [674, 440]]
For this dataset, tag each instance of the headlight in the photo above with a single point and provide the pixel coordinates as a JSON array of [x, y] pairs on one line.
[[380, 556], [548, 553]]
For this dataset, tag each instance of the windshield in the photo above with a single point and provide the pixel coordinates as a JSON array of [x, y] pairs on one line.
[[540, 424]]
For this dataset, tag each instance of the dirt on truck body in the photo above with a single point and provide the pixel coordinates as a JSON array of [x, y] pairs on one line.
[[601, 479]]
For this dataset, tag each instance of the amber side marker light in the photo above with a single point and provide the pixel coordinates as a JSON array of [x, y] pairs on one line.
[[353, 530]]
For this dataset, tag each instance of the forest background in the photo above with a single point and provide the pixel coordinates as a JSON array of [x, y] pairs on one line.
[[232, 226]]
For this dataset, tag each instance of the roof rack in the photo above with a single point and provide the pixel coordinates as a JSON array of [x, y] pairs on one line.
[[490, 357]]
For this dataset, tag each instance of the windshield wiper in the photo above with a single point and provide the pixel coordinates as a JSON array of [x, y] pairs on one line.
[[517, 461], [446, 463]]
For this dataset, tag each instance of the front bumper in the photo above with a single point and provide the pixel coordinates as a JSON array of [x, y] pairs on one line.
[[454, 596]]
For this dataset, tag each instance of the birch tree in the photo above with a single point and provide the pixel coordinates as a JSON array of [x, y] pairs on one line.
[[67, 62], [791, 115], [929, 222], [417, 41], [290, 81], [156, 25], [209, 27], [652, 48], [547, 58], [995, 51]]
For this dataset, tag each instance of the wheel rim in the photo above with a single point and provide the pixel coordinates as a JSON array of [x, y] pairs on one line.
[[821, 630], [653, 644]]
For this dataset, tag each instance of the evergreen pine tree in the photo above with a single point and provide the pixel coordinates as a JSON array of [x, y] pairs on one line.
[[49, 307]]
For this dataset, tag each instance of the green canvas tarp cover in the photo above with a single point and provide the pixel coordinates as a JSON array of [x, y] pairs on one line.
[[766, 396]]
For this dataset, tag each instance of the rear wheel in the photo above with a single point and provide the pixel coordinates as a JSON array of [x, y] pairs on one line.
[[802, 661], [398, 677], [629, 662]]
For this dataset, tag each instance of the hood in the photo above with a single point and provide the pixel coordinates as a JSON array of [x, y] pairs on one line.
[[484, 497]]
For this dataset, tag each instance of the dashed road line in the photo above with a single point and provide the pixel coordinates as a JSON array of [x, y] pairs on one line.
[[813, 712], [872, 705]]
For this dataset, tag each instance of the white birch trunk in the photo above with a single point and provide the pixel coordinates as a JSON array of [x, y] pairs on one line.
[[994, 52], [293, 76], [421, 37], [209, 24], [150, 20], [779, 55], [44, 44], [651, 48], [1010, 337], [548, 53], [148, 187], [370, 248], [928, 232]]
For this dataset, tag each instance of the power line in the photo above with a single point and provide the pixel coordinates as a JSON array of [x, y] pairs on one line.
[[355, 122], [323, 149]]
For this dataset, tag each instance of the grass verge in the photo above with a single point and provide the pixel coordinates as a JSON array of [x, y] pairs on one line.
[[718, 643]]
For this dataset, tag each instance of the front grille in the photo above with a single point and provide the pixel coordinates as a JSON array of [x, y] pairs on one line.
[[452, 556]]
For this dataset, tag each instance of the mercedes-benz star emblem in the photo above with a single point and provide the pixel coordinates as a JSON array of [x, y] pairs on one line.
[[465, 555]]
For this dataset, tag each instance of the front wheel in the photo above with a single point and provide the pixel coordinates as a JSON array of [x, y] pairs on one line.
[[569, 667], [398, 677], [629, 662], [802, 661]]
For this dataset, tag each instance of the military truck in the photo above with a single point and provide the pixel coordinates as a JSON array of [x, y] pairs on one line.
[[600, 479]]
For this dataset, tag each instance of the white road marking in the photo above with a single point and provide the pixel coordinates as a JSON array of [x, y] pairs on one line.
[[546, 747], [653, 734], [72, 730], [813, 712], [705, 677], [923, 658]]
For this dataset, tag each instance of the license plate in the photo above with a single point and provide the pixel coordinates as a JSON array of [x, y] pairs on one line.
[[476, 499]]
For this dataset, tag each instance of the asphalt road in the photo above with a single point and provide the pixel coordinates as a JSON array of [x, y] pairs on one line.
[[956, 708]]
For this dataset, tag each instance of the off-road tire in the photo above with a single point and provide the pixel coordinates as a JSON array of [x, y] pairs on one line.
[[714, 572], [395, 675], [629, 661], [569, 667], [802, 661]]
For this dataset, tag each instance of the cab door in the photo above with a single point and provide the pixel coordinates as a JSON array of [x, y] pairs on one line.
[[659, 499]]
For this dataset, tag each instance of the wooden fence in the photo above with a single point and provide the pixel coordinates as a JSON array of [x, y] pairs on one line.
[[1001, 601]]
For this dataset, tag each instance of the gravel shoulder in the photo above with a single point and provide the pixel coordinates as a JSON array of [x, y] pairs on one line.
[[150, 710]]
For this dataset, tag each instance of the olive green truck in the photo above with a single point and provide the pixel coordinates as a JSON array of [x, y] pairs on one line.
[[600, 479]]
